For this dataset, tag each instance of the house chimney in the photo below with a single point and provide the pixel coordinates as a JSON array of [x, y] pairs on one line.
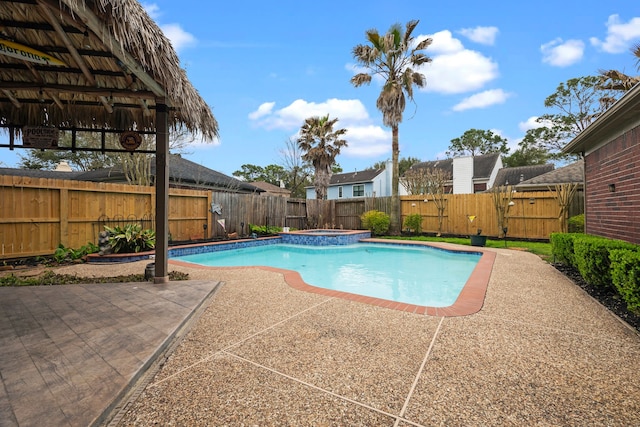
[[63, 166]]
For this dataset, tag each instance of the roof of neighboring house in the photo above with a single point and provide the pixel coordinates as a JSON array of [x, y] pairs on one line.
[[190, 173], [615, 121], [483, 165], [36, 173], [573, 173], [270, 188], [355, 177], [181, 172], [518, 174], [445, 165]]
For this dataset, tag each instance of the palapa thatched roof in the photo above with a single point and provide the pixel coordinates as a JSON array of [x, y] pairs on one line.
[[117, 66]]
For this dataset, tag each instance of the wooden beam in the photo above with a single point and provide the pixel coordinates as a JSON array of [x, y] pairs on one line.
[[95, 25], [44, 7], [13, 99], [106, 92]]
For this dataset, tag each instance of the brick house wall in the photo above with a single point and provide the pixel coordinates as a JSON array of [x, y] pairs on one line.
[[612, 171]]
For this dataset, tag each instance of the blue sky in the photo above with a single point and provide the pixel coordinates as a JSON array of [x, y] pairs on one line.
[[263, 67]]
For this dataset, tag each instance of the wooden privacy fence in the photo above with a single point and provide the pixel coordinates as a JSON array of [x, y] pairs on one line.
[[532, 215], [36, 214]]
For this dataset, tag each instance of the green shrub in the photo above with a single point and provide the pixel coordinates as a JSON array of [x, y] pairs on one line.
[[413, 222], [264, 230], [131, 239], [592, 257], [375, 221], [562, 248], [63, 254], [576, 224], [625, 275]]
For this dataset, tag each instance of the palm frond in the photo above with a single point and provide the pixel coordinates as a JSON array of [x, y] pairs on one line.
[[635, 49], [360, 79], [419, 59], [411, 25], [424, 44], [374, 37]]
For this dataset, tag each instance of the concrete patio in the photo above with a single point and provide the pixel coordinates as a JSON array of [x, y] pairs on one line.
[[540, 352]]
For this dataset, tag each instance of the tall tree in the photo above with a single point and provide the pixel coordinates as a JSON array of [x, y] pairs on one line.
[[475, 142], [393, 57], [528, 153], [272, 174], [298, 171], [577, 103], [321, 145]]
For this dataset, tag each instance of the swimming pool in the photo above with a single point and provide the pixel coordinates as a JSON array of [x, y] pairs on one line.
[[418, 275]]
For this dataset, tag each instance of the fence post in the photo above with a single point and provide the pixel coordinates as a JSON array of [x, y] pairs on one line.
[[64, 217]]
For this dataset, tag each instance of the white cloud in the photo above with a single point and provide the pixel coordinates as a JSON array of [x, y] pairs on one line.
[[443, 43], [199, 143], [532, 123], [367, 141], [455, 69], [363, 138], [152, 9], [482, 100], [263, 110], [559, 53], [348, 111], [482, 35], [619, 35], [179, 37]]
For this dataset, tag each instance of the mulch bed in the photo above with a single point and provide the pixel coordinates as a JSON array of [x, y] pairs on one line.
[[606, 296]]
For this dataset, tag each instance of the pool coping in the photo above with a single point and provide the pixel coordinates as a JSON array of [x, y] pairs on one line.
[[469, 301]]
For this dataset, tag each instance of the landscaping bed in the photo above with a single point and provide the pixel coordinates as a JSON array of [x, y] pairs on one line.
[[606, 296]]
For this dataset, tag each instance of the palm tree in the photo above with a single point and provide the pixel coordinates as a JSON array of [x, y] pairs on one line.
[[321, 145], [392, 57], [617, 80]]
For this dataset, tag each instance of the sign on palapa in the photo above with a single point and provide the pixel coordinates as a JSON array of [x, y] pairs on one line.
[[26, 53], [40, 137], [130, 140]]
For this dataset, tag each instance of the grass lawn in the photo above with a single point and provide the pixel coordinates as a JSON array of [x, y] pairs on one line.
[[542, 249]]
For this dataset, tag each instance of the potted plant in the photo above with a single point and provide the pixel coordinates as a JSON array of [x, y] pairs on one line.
[[478, 239]]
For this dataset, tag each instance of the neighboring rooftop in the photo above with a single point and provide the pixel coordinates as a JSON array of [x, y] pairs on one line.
[[271, 189], [182, 173], [573, 173], [355, 177], [483, 165], [518, 174]]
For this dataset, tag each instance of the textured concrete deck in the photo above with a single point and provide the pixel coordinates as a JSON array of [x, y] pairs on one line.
[[67, 353], [539, 352]]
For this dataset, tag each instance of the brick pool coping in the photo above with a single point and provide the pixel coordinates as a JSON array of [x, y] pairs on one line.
[[470, 300]]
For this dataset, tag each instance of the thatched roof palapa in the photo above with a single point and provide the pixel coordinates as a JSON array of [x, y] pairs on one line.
[[98, 64], [118, 66]]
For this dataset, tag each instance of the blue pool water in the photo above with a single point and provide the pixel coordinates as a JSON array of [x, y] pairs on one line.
[[411, 274]]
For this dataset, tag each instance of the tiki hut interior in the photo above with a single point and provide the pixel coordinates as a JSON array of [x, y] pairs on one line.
[[102, 65]]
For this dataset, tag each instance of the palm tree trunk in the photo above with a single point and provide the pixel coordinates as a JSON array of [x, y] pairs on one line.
[[394, 228]]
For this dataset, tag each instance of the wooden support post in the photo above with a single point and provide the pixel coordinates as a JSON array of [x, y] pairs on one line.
[[162, 194]]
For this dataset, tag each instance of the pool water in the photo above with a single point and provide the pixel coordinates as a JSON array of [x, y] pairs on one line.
[[411, 274]]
